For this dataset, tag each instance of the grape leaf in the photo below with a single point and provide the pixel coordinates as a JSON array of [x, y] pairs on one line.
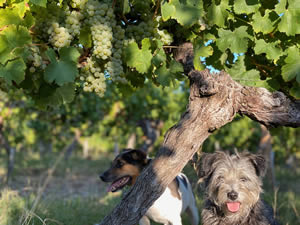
[[9, 16], [280, 7], [272, 52], [126, 7], [64, 70], [295, 90], [21, 8], [246, 6], [139, 58], [290, 21], [42, 3], [200, 50], [291, 69], [187, 13], [167, 11], [11, 38], [246, 77], [13, 71], [66, 93], [166, 75], [236, 41], [218, 14], [262, 23], [163, 75], [54, 96], [85, 37]]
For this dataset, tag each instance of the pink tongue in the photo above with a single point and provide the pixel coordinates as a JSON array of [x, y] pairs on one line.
[[117, 184], [233, 206]]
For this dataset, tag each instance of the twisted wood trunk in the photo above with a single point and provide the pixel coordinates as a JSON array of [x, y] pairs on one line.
[[213, 102]]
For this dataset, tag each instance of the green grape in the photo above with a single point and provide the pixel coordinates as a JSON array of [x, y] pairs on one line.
[[73, 22], [93, 78], [164, 36], [59, 36]]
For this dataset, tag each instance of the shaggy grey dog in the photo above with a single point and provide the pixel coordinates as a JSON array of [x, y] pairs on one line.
[[233, 187]]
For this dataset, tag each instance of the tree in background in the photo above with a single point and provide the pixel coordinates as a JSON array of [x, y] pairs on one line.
[[54, 50]]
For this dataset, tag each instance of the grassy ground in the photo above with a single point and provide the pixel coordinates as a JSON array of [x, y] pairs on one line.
[[76, 196]]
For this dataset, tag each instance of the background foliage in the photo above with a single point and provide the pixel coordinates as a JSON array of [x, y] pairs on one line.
[[94, 69]]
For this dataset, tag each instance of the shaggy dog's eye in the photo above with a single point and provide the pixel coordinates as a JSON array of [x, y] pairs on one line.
[[243, 179], [119, 164]]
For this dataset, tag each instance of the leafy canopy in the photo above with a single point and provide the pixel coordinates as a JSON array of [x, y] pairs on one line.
[[54, 49]]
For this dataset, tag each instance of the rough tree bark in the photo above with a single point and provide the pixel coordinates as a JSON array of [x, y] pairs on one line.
[[213, 102]]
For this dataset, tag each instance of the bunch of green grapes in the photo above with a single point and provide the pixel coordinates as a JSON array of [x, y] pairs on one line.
[[93, 78], [104, 57], [35, 59], [73, 22], [138, 32], [164, 36], [59, 36]]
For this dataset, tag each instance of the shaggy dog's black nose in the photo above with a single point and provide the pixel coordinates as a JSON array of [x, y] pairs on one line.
[[232, 195]]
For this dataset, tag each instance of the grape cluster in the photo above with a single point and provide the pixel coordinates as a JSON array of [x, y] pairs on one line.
[[140, 31], [59, 36], [164, 36], [35, 59], [92, 77], [78, 4], [73, 22]]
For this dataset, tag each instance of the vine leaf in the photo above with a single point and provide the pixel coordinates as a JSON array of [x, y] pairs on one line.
[[53, 96], [64, 70], [246, 6], [295, 90], [200, 50], [247, 77], [290, 18], [139, 58], [11, 38], [166, 75], [9, 16], [236, 41], [85, 37], [262, 23], [13, 71], [291, 69], [218, 14], [187, 13], [272, 52], [42, 3]]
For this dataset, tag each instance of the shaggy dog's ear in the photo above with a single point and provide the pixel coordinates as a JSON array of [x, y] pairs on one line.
[[206, 165], [260, 164]]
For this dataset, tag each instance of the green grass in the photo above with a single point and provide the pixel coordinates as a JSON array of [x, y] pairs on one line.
[[90, 207]]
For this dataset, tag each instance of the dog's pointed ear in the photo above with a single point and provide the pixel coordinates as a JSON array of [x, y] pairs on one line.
[[139, 155], [260, 164]]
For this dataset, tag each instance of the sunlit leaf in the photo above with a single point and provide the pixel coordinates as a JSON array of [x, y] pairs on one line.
[[236, 41], [64, 70], [291, 69], [13, 71], [139, 58], [270, 49]]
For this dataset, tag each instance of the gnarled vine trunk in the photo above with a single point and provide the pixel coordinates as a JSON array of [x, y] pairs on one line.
[[214, 101]]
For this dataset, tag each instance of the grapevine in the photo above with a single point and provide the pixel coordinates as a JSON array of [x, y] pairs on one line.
[[83, 44]]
